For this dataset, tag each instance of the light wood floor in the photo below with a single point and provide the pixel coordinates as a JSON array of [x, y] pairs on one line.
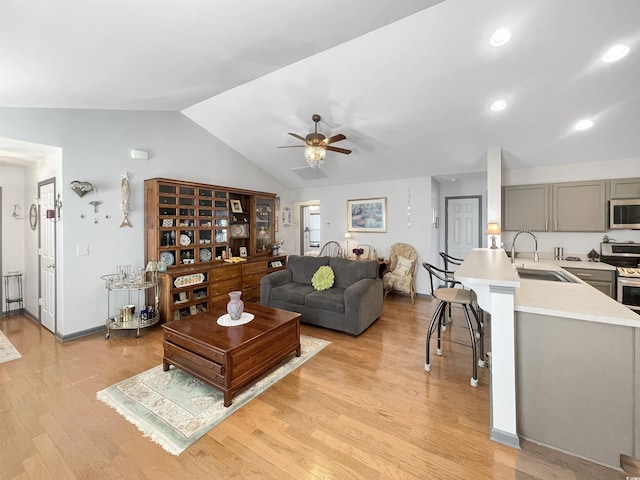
[[363, 408]]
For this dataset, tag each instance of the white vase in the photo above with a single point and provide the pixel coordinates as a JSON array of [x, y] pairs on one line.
[[235, 306]]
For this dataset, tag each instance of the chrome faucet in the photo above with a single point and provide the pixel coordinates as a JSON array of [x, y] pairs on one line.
[[536, 258]]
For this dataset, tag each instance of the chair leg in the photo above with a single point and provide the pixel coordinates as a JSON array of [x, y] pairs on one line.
[[430, 330], [480, 334], [442, 319], [474, 378], [441, 327]]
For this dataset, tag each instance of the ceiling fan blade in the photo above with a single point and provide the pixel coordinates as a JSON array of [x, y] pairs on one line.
[[339, 150], [335, 138], [298, 136], [292, 146]]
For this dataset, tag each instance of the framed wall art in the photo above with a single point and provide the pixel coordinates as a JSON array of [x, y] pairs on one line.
[[286, 216], [367, 215], [236, 206]]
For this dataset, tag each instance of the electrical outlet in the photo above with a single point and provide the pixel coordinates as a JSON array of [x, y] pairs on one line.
[[82, 250]]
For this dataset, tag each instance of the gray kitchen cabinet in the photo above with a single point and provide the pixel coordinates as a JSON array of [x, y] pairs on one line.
[[603, 280], [525, 207], [575, 384], [625, 188], [579, 206]]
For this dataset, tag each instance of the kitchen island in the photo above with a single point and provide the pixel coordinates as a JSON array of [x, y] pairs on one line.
[[566, 365]]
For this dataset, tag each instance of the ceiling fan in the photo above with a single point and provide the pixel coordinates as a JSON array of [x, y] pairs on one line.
[[316, 144]]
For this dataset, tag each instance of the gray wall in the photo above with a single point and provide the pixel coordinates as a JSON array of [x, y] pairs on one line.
[[95, 147]]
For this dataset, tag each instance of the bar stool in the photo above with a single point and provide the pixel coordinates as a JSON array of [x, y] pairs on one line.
[[449, 260], [13, 277], [466, 299]]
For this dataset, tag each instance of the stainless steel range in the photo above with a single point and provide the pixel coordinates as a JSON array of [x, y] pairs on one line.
[[625, 256]]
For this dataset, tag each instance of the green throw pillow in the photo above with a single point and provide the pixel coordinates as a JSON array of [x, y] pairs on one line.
[[323, 278]]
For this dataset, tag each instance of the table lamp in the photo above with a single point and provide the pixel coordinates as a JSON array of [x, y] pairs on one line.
[[493, 229]]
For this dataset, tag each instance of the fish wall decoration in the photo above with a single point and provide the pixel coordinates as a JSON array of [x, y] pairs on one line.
[[125, 190]]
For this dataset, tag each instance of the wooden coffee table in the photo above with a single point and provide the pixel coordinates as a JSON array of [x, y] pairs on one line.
[[231, 358]]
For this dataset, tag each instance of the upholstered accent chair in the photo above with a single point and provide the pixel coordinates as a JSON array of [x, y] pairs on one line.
[[402, 266]]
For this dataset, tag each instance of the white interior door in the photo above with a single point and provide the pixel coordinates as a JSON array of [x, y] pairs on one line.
[[463, 225], [47, 251], [310, 228]]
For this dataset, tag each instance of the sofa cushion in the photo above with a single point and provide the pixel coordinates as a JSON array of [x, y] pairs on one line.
[[349, 272], [292, 292], [302, 268], [332, 300], [323, 278]]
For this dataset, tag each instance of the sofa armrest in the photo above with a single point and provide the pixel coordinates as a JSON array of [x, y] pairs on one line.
[[271, 280], [363, 304]]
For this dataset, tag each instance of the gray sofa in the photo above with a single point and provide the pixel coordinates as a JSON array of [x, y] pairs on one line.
[[351, 305]]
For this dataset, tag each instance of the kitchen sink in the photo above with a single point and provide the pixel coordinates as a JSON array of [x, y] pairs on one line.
[[548, 275]]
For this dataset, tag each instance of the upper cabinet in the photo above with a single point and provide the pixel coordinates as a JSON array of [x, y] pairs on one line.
[[526, 207], [625, 188], [579, 207], [189, 223], [558, 207]]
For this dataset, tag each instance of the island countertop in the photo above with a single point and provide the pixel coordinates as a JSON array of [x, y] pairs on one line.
[[571, 300]]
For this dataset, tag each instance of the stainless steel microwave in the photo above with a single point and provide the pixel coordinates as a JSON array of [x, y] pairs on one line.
[[624, 213]]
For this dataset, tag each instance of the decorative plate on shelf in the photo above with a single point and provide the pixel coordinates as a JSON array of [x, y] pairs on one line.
[[188, 280], [185, 240], [205, 255], [240, 230], [167, 258]]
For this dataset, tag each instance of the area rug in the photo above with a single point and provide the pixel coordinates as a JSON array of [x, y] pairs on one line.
[[175, 409], [7, 350]]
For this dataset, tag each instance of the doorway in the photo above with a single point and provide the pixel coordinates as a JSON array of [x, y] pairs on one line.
[[309, 228], [47, 255], [462, 225]]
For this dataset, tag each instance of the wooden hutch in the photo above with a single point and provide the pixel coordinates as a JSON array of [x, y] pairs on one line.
[[194, 228]]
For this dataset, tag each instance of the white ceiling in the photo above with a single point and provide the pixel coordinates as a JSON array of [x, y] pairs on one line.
[[408, 82]]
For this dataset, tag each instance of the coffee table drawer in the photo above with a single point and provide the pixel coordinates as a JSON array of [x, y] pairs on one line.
[[188, 344], [180, 356]]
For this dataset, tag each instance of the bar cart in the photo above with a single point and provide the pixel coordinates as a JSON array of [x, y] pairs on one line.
[[141, 295]]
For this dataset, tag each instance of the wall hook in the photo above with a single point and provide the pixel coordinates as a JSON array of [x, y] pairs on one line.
[[95, 204]]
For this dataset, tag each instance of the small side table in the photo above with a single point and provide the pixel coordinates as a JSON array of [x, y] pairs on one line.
[[13, 297], [383, 265]]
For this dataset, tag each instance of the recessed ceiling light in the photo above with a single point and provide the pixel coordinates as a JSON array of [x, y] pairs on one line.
[[498, 106], [584, 124], [500, 37], [615, 53]]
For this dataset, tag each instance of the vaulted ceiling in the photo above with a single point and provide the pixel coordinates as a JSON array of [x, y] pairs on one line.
[[408, 82]]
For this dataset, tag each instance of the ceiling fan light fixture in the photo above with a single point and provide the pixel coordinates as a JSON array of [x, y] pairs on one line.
[[315, 155]]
